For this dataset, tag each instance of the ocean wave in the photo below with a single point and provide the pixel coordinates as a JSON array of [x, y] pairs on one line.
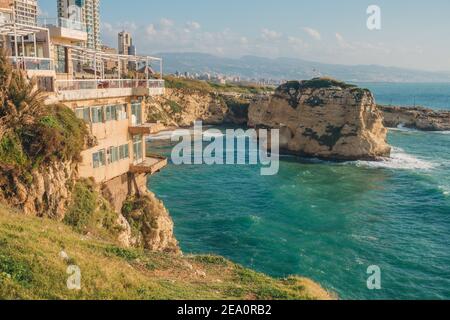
[[399, 160], [402, 128], [445, 190]]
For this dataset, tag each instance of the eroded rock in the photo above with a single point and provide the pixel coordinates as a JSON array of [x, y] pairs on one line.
[[323, 118]]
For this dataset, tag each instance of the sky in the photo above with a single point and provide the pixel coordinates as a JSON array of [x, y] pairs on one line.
[[414, 34]]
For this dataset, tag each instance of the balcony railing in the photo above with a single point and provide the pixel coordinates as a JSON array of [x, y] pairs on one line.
[[32, 63], [63, 23], [92, 84]]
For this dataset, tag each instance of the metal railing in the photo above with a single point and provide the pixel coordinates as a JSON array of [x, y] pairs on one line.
[[63, 23], [32, 63], [92, 84]]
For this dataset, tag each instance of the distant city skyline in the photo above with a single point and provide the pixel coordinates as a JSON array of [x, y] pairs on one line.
[[413, 34]]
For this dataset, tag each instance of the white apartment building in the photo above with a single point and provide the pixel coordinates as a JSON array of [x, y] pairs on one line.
[[26, 12], [87, 12]]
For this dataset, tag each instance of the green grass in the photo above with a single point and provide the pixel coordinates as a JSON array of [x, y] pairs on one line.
[[11, 151], [316, 83], [90, 213], [31, 268], [210, 87]]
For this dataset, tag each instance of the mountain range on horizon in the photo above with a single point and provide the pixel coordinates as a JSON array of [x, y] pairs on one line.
[[254, 67]]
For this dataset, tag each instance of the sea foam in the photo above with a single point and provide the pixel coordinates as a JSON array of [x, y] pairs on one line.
[[399, 160]]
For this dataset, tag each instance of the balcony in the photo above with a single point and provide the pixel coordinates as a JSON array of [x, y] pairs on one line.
[[35, 67], [146, 129], [66, 29], [32, 63], [151, 165], [82, 89]]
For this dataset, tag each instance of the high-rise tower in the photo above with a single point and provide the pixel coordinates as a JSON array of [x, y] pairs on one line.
[[86, 11]]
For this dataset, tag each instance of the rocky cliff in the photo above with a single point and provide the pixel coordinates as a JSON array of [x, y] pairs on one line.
[[416, 118], [323, 118], [46, 194], [151, 224], [181, 107]]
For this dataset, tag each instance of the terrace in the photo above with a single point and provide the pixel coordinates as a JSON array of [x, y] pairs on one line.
[[29, 47], [150, 165], [92, 74], [65, 28]]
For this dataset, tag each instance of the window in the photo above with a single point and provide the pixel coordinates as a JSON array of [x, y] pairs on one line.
[[61, 59], [113, 154], [121, 112], [111, 113], [124, 152], [98, 159], [83, 114], [97, 115], [137, 149], [136, 113]]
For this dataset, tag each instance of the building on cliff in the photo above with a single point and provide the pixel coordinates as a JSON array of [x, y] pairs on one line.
[[94, 84]]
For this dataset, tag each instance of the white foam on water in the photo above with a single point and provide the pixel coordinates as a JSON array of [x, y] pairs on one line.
[[213, 134], [445, 190], [167, 135], [399, 160]]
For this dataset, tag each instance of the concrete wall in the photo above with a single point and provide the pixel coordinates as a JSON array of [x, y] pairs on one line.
[[109, 134], [118, 189]]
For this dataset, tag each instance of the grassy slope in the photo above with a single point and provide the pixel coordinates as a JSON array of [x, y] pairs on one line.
[[210, 87], [31, 268]]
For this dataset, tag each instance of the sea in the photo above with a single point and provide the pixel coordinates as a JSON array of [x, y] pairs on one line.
[[331, 222]]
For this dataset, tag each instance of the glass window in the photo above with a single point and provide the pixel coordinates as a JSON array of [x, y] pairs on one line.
[[136, 113], [97, 115], [124, 152], [137, 148], [61, 59], [121, 112], [98, 159], [83, 114], [113, 154], [108, 113]]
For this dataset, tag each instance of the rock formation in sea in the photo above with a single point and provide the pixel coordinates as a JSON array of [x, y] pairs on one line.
[[416, 118], [323, 118]]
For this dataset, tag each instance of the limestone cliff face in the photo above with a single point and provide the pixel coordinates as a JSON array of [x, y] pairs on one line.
[[47, 194], [182, 107], [144, 220], [416, 118], [150, 223], [323, 118]]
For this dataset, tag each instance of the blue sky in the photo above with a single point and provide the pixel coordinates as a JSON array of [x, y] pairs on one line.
[[414, 34]]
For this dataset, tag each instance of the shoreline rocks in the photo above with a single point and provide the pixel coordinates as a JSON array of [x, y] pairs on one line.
[[323, 118], [416, 118]]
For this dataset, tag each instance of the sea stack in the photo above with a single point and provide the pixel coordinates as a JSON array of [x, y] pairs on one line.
[[324, 118]]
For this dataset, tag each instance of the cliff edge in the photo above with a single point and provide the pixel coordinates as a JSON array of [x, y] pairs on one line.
[[323, 118]]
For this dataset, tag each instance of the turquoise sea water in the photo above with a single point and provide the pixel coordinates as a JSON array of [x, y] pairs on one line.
[[323, 220], [432, 95]]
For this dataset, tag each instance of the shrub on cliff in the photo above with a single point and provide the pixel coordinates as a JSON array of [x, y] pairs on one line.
[[31, 133], [90, 213]]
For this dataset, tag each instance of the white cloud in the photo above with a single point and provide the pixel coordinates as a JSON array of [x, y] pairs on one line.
[[313, 33], [165, 23], [193, 25], [270, 34], [151, 30]]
